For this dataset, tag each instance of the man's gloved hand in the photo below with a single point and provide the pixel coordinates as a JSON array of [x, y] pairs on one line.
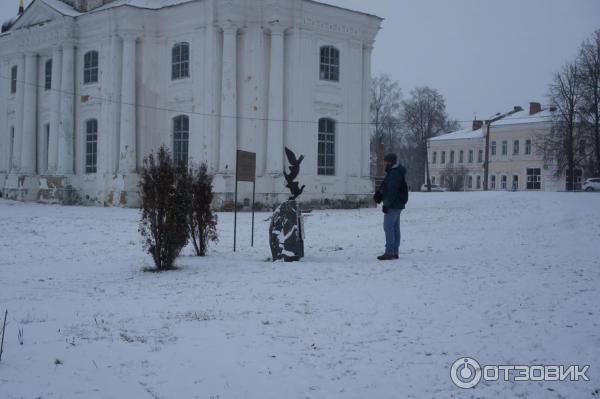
[[377, 197], [385, 209]]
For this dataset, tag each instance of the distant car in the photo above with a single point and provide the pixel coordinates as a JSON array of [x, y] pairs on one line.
[[592, 184], [434, 187]]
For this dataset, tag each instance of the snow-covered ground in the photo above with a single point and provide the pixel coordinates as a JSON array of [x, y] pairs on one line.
[[506, 278]]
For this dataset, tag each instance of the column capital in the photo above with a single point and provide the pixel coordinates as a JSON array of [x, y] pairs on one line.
[[229, 27], [67, 45], [129, 36], [276, 27]]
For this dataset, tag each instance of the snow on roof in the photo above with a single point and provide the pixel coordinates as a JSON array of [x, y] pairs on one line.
[[344, 8], [523, 117], [460, 134], [66, 9], [148, 4], [62, 8]]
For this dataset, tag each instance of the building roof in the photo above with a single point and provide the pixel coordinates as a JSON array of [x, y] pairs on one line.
[[344, 8], [66, 9], [518, 118], [523, 117], [460, 135]]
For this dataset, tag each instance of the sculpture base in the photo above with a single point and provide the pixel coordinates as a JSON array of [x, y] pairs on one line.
[[286, 232]]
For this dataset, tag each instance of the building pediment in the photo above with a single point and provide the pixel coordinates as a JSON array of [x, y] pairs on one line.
[[37, 14]]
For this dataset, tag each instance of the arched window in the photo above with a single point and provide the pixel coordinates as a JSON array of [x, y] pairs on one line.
[[48, 75], [91, 146], [326, 147], [180, 61], [90, 67], [330, 64], [181, 137]]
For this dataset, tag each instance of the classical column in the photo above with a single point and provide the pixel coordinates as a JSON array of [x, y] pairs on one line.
[[55, 110], [67, 112], [5, 138], [366, 127], [18, 123], [127, 156], [29, 140], [228, 131], [275, 122]]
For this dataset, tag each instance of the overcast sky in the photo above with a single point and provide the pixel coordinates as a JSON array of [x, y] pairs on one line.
[[485, 56]]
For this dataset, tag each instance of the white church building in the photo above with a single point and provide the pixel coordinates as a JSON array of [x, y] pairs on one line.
[[90, 87]]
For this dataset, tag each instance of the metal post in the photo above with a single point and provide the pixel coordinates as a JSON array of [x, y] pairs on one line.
[[253, 197], [3, 328], [235, 211]]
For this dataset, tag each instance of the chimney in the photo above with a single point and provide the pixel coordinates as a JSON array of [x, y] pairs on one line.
[[534, 108], [477, 124]]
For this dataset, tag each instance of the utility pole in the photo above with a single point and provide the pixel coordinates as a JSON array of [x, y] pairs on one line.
[[488, 123]]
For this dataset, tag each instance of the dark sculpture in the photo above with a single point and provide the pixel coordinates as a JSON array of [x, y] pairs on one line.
[[286, 232], [294, 167]]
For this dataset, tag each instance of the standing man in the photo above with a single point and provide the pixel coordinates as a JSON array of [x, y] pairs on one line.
[[393, 192]]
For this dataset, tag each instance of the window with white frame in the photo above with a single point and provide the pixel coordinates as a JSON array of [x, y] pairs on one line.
[[504, 147], [493, 182], [90, 67], [434, 158], [527, 147], [181, 138], [470, 156], [493, 150], [180, 61], [478, 182], [91, 146], [443, 157], [13, 79], [470, 182], [534, 178], [480, 156], [461, 156], [330, 64], [48, 75], [503, 181], [451, 156], [516, 147], [326, 147]]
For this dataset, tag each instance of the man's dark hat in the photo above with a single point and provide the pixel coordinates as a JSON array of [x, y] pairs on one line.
[[391, 158]]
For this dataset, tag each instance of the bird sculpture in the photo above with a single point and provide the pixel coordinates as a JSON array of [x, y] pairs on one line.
[[294, 168]]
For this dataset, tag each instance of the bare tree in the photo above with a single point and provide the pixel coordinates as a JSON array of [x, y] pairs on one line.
[[425, 117], [453, 177], [589, 110], [385, 116], [561, 144]]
